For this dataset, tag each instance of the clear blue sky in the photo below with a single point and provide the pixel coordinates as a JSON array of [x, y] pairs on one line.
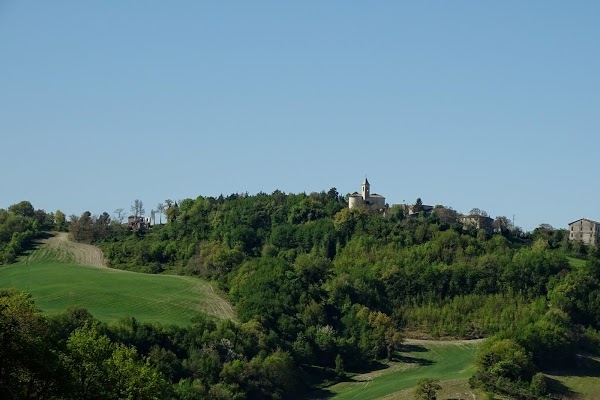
[[494, 105]]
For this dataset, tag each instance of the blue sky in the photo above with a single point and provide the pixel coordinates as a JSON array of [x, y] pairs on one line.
[[465, 103]]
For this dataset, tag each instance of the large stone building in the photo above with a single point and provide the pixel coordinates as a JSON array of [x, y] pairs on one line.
[[365, 197], [478, 222], [136, 223], [412, 210], [585, 230]]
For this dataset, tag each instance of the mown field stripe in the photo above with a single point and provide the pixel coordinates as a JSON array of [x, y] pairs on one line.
[[110, 294]]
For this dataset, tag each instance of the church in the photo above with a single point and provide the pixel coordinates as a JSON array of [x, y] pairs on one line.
[[365, 197]]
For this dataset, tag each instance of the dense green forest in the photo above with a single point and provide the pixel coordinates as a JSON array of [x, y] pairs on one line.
[[321, 290]]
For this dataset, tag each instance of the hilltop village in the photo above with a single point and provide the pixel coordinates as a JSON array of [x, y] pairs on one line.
[[583, 230], [476, 219]]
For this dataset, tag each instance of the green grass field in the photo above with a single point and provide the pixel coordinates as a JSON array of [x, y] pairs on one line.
[[446, 361], [579, 383], [111, 294], [577, 263], [452, 364]]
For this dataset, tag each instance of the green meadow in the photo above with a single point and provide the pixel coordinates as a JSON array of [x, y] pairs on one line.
[[577, 263], [446, 361], [581, 382], [452, 364], [111, 294]]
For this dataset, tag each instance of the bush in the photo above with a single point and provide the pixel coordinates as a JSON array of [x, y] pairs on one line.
[[539, 384]]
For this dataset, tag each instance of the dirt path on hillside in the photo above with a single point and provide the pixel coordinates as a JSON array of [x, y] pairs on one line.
[[84, 254]]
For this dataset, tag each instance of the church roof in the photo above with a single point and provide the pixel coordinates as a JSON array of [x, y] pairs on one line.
[[366, 182]]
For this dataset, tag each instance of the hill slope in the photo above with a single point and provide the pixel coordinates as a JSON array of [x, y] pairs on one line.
[[61, 248], [419, 359], [56, 278]]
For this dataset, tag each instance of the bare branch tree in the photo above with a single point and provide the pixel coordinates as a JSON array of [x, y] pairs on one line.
[[161, 209], [119, 215], [137, 208]]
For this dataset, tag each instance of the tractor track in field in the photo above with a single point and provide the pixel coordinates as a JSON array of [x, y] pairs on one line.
[[66, 250]]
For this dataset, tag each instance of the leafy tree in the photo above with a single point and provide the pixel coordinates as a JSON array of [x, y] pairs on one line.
[[103, 369], [82, 228], [418, 206], [332, 194], [60, 220], [87, 352], [101, 226], [550, 339], [19, 226], [477, 211], [426, 389], [29, 367], [130, 378], [23, 208], [172, 211], [505, 358]]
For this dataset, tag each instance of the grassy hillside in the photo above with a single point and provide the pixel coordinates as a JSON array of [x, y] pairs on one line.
[[446, 361], [111, 294], [580, 382], [452, 363]]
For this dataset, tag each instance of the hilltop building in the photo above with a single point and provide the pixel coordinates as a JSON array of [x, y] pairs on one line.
[[137, 223], [365, 197], [585, 230], [479, 222], [411, 210]]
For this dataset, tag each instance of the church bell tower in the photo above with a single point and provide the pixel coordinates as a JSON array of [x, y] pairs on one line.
[[366, 190]]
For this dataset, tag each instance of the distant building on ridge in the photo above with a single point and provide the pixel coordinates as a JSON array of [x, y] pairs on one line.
[[365, 197], [479, 222], [585, 230], [137, 223]]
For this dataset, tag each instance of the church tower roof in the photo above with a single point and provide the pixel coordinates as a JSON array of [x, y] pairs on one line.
[[366, 182]]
